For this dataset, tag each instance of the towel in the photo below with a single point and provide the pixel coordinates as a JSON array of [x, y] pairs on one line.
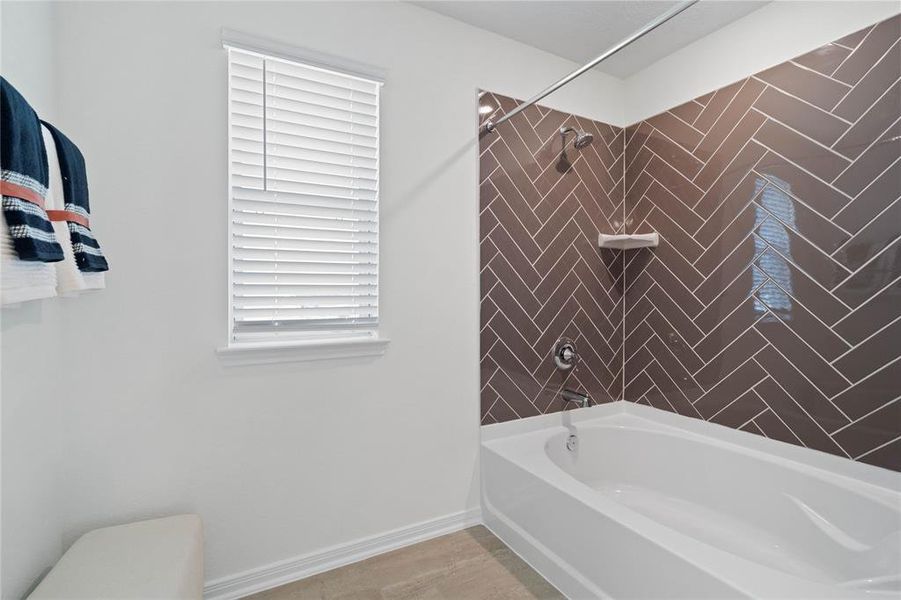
[[69, 279], [23, 179], [88, 255], [22, 280]]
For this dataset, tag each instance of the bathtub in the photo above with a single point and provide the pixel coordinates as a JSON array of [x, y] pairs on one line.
[[649, 504]]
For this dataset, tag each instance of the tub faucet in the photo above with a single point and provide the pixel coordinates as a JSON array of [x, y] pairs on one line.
[[578, 398]]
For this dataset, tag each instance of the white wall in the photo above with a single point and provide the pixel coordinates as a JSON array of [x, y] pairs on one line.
[[30, 444], [777, 32], [279, 460]]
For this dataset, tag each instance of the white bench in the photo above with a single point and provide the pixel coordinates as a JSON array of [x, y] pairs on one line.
[[160, 559]]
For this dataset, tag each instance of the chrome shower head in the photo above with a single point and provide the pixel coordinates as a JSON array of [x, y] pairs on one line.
[[583, 138]]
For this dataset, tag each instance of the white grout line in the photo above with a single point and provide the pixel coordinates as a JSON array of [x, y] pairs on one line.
[[864, 76], [865, 340], [792, 398], [859, 231], [853, 50], [826, 256], [806, 274], [800, 99], [804, 375], [861, 418], [859, 269], [817, 73], [775, 414], [774, 182], [859, 194], [738, 122], [724, 318], [879, 447], [878, 140], [722, 112], [864, 113]]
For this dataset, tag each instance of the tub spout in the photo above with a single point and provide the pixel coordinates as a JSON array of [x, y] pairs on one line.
[[578, 398]]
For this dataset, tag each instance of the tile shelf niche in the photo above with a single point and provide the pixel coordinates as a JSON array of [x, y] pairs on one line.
[[628, 242]]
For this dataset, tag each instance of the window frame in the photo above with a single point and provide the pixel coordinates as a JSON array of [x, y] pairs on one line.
[[326, 347]]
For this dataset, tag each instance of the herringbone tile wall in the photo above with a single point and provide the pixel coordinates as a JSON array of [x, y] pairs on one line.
[[773, 302], [542, 275]]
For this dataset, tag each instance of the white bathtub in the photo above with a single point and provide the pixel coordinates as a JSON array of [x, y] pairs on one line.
[[654, 505]]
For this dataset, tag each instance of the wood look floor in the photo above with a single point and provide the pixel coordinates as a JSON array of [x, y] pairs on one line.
[[468, 565]]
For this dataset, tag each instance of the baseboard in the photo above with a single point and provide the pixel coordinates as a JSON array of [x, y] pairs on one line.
[[279, 573]]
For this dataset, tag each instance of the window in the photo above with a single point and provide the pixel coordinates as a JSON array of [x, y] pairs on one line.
[[303, 219]]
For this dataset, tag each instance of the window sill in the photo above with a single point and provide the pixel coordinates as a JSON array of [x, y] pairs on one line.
[[299, 351]]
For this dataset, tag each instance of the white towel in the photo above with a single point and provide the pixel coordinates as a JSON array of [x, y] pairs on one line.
[[70, 280], [22, 280]]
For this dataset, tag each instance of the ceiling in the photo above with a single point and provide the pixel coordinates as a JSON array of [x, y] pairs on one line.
[[581, 30]]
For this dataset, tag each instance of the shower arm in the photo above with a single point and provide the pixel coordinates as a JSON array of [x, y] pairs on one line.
[[649, 27]]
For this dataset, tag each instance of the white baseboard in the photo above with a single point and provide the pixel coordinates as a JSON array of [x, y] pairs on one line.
[[279, 573]]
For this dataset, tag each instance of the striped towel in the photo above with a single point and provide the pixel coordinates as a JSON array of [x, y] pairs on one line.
[[88, 255], [23, 179]]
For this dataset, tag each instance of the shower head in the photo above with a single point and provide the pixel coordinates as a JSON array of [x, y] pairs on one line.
[[582, 140]]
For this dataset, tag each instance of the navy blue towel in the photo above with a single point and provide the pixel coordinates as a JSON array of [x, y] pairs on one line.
[[24, 178], [88, 256]]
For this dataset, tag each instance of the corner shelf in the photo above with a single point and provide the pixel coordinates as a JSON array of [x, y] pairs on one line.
[[628, 242]]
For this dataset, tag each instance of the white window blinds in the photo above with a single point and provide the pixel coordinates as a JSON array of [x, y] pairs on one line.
[[304, 154]]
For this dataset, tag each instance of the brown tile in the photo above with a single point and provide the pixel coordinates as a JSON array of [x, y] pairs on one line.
[[803, 289], [872, 431], [738, 257], [725, 185], [877, 351], [729, 299], [817, 159], [867, 395], [637, 387], [825, 59], [670, 391], [732, 356], [728, 158], [799, 251], [796, 419], [872, 277], [801, 391], [852, 40], [676, 344], [800, 116], [728, 329], [871, 316], [809, 86], [689, 111], [872, 239], [751, 186], [873, 200], [676, 156], [734, 113], [887, 457], [820, 196], [715, 104], [667, 360], [870, 126], [729, 388], [873, 46], [872, 162], [683, 243], [801, 321], [729, 238], [773, 428], [676, 130], [802, 357], [740, 411]]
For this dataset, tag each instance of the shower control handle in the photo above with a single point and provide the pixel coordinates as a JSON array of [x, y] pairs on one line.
[[565, 354]]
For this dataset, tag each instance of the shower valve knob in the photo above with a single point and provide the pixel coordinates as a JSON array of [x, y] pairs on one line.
[[565, 354]]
